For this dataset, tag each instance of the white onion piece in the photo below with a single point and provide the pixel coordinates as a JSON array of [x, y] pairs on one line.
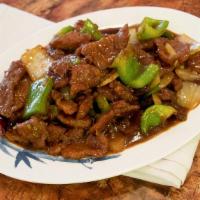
[[187, 75], [37, 62], [109, 79], [185, 39], [194, 48], [189, 95], [133, 36], [170, 50], [166, 80]]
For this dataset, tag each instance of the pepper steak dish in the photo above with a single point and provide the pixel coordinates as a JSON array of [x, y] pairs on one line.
[[91, 92]]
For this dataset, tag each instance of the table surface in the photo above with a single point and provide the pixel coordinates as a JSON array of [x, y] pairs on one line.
[[117, 188]]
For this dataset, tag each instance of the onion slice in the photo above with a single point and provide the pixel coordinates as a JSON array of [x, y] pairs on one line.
[[110, 78], [133, 35], [189, 95], [187, 75]]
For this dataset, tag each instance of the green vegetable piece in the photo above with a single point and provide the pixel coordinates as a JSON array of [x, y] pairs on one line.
[[146, 77], [155, 115], [127, 66], [151, 28], [168, 34], [37, 101], [92, 29], [65, 30], [103, 104]]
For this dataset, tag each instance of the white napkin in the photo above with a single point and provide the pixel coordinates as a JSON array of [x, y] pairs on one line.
[[171, 170]]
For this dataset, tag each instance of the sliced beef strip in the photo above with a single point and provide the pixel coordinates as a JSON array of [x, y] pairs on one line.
[[194, 62], [75, 123], [83, 77], [55, 53], [67, 106], [122, 91], [55, 133], [108, 93], [31, 133], [182, 50], [21, 93], [59, 70], [97, 146], [177, 83], [85, 107], [8, 89], [73, 136], [144, 57], [166, 94], [119, 108], [70, 137], [102, 53], [71, 40]]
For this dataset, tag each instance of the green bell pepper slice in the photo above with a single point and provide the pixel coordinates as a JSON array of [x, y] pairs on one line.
[[151, 28], [92, 29], [103, 104], [146, 77], [155, 115], [127, 66], [37, 101], [65, 30]]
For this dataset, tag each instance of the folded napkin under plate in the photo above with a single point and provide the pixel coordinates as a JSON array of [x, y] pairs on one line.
[[171, 170]]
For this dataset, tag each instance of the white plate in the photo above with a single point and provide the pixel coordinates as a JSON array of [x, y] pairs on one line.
[[41, 168]]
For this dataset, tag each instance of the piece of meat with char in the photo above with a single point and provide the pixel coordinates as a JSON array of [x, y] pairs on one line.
[[102, 53], [13, 90], [118, 109], [83, 77], [70, 41], [31, 133], [171, 50]]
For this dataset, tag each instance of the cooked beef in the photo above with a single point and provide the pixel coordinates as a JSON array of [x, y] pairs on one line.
[[79, 25], [85, 107], [21, 93], [55, 53], [102, 53], [144, 57], [75, 123], [147, 45], [108, 93], [83, 77], [60, 68], [32, 132], [166, 94], [71, 40], [178, 50], [122, 92], [177, 83], [10, 88], [97, 146], [56, 133], [67, 106], [194, 62], [119, 108]]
